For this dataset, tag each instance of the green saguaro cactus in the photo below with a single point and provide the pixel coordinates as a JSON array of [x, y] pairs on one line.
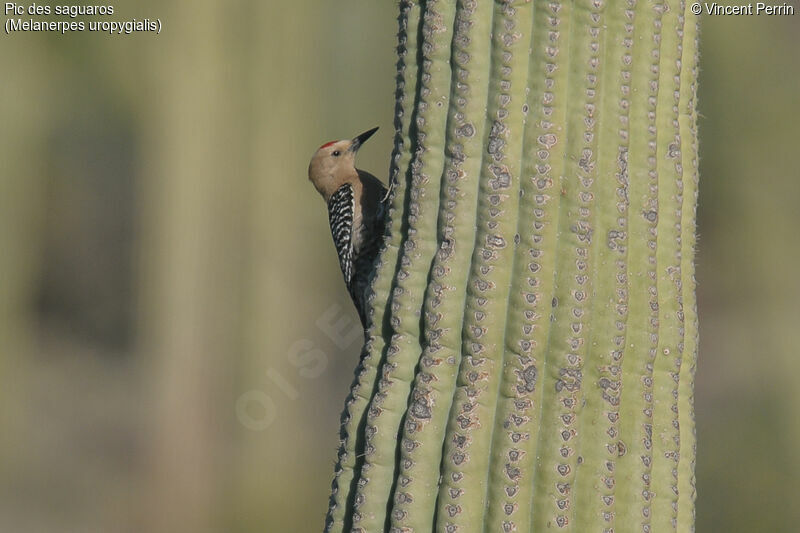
[[530, 358]]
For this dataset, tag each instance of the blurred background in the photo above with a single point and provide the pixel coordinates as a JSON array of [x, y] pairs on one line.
[[175, 340]]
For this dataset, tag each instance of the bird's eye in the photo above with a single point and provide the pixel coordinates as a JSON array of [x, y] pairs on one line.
[[336, 153]]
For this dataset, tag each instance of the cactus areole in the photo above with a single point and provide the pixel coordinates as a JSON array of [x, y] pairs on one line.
[[532, 332]]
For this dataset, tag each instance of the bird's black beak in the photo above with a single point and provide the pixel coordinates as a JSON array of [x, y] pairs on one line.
[[361, 139]]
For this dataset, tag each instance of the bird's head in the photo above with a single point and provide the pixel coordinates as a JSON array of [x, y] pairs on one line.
[[333, 164]]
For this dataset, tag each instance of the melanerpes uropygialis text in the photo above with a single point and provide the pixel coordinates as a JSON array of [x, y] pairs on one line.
[[356, 209]]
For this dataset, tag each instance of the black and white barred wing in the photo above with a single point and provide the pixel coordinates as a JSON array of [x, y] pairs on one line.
[[341, 207]]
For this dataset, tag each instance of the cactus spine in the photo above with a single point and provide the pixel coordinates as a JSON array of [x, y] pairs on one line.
[[530, 359]]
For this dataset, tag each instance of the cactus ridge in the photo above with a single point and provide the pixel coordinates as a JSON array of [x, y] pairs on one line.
[[687, 120], [509, 463], [389, 404], [431, 397], [580, 323], [594, 500], [666, 373], [634, 467], [468, 441], [530, 356], [350, 456]]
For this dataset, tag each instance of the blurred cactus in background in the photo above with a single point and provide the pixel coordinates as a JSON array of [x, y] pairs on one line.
[[531, 355]]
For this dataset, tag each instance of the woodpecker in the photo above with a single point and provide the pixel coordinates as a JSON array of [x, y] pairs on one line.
[[356, 208]]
